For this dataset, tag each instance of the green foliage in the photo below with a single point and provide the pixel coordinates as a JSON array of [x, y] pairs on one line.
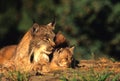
[[63, 78], [25, 22], [90, 75], [17, 76], [116, 78], [103, 77], [22, 77], [91, 25], [67, 75]]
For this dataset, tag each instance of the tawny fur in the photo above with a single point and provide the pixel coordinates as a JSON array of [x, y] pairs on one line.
[[62, 59], [7, 53], [19, 55], [37, 41], [60, 38]]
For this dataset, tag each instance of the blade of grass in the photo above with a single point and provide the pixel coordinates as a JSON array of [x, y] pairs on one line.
[[103, 77]]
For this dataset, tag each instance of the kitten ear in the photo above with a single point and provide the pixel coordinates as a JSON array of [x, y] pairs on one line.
[[52, 24], [56, 53], [72, 49], [35, 28]]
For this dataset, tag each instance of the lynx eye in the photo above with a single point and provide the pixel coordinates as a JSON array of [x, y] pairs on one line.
[[47, 35], [46, 39]]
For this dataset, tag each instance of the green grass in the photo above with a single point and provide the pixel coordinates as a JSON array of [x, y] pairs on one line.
[[91, 76], [70, 75], [15, 76]]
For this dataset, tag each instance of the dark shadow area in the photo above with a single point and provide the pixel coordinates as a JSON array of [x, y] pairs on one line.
[[11, 37]]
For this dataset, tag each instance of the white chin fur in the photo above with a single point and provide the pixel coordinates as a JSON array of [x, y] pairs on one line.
[[41, 53], [41, 56]]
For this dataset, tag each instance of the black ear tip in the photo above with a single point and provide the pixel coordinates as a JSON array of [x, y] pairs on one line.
[[54, 21]]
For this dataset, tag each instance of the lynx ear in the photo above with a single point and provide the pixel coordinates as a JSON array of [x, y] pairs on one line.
[[35, 28], [60, 38], [52, 24], [56, 53], [72, 49]]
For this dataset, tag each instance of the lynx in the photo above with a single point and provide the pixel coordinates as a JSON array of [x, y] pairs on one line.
[[6, 53], [37, 43], [62, 59]]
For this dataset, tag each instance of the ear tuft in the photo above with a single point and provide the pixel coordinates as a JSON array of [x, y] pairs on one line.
[[72, 49], [52, 24]]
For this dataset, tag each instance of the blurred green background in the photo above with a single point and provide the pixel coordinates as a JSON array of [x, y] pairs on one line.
[[93, 26]]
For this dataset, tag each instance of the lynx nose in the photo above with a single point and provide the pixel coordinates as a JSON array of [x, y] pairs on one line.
[[52, 43]]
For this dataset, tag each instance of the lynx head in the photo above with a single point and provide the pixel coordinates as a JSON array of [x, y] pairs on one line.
[[63, 57], [42, 40]]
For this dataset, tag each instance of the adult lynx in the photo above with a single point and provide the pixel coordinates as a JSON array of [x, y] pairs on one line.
[[62, 59], [37, 42]]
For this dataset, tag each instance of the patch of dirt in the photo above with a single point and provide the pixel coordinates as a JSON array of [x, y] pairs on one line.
[[100, 65]]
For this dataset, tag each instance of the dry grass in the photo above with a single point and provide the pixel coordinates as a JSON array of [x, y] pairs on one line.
[[88, 70]]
